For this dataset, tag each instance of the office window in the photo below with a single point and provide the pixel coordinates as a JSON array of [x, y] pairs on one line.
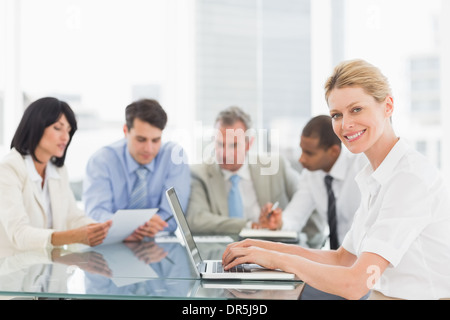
[[255, 55], [407, 47], [2, 75], [270, 57], [7, 66], [99, 56]]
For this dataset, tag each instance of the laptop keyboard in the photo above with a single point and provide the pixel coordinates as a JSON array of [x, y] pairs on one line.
[[218, 268]]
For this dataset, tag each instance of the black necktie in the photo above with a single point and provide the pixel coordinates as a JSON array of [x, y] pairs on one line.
[[332, 221]]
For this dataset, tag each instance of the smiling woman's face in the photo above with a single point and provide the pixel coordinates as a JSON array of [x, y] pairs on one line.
[[358, 119]]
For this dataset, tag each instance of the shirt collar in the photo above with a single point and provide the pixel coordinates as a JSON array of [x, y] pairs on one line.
[[339, 169], [386, 169], [50, 171], [243, 172]]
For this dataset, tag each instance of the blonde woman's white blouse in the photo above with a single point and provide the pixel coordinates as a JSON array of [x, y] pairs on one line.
[[404, 217]]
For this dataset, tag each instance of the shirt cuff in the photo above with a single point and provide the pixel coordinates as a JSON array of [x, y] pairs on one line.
[[48, 242]]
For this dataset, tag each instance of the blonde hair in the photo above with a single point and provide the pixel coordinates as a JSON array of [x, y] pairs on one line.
[[359, 73]]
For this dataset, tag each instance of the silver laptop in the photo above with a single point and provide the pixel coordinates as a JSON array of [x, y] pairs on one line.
[[213, 269]]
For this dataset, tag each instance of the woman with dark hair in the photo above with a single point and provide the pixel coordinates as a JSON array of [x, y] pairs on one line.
[[38, 208]]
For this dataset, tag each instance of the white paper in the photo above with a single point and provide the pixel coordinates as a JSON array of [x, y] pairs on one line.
[[124, 222], [213, 239], [265, 233]]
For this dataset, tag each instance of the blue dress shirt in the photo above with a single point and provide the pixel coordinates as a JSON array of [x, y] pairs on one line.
[[110, 177]]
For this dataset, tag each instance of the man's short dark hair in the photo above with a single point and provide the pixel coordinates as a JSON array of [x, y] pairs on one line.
[[147, 110], [322, 128]]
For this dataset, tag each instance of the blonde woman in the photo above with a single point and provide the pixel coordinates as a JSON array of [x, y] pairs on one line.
[[399, 243], [38, 208]]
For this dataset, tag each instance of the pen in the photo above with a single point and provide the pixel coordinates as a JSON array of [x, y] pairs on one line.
[[170, 260], [274, 207], [168, 218]]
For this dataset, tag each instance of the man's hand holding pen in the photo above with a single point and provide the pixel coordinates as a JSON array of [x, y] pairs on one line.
[[274, 207], [270, 217]]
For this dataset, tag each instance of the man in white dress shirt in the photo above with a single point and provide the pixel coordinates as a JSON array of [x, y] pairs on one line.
[[323, 155]]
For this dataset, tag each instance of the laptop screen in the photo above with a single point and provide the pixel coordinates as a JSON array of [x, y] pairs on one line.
[[182, 223]]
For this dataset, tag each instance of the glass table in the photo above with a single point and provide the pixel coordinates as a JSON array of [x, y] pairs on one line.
[[154, 269]]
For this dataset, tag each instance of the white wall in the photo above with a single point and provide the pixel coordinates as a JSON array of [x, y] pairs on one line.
[[9, 14], [445, 85]]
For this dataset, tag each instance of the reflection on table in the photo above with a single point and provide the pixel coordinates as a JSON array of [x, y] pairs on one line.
[[137, 270]]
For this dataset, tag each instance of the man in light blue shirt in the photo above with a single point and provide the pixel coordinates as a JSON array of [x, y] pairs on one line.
[[112, 172]]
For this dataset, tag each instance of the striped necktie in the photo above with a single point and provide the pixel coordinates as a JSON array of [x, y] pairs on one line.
[[332, 220], [138, 198], [235, 206]]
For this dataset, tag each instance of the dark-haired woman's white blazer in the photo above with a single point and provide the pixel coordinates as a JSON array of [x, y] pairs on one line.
[[22, 217]]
